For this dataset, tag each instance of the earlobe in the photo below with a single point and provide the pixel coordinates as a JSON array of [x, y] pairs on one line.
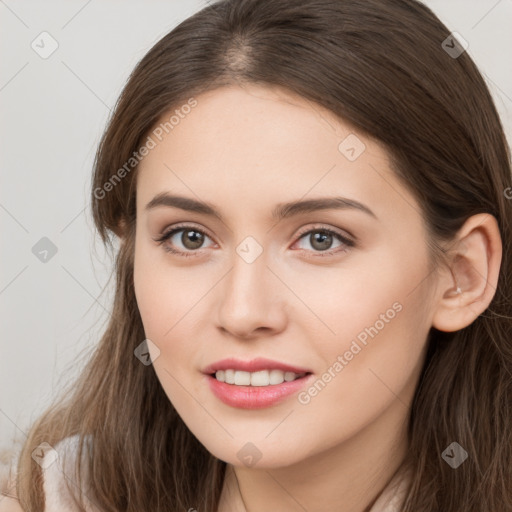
[[121, 231], [468, 290]]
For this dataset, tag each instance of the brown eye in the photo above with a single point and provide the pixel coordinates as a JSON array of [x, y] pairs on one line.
[[187, 244], [321, 240], [192, 239]]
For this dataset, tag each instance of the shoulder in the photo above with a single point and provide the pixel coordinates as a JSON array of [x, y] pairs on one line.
[[8, 466], [60, 482], [60, 479], [8, 504], [391, 499]]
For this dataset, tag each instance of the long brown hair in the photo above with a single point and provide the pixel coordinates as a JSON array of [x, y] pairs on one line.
[[381, 66]]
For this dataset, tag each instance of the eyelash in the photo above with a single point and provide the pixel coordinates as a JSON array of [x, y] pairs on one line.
[[186, 254]]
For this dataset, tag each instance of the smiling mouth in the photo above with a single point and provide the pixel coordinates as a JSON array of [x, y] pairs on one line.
[[262, 378], [264, 391]]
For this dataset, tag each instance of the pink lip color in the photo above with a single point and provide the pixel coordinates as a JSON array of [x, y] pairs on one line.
[[255, 365], [255, 397]]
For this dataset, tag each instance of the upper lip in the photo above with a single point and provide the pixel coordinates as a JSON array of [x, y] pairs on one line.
[[252, 366]]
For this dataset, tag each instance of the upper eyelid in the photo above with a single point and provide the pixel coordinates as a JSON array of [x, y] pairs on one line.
[[179, 227]]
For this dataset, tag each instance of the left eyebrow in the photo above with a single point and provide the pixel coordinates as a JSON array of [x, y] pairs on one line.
[[281, 210]]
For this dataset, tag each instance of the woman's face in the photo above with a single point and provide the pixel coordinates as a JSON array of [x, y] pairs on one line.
[[353, 311]]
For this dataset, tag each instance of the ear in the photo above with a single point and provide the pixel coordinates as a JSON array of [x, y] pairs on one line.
[[120, 231], [467, 290]]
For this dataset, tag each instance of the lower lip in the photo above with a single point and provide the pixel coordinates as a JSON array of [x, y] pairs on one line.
[[255, 397]]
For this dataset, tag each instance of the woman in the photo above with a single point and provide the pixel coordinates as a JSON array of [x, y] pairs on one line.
[[312, 308]]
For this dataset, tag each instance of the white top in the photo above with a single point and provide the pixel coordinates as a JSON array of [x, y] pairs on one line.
[[57, 477], [59, 499], [391, 499]]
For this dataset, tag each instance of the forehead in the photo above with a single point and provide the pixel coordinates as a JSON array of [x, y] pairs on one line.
[[257, 146]]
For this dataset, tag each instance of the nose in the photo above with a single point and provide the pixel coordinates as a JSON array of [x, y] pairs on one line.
[[251, 300]]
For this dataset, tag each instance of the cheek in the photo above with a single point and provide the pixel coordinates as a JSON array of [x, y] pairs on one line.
[[166, 298], [153, 291], [381, 322], [161, 306], [157, 285], [365, 291]]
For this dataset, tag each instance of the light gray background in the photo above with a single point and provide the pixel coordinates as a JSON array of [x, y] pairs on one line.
[[53, 112]]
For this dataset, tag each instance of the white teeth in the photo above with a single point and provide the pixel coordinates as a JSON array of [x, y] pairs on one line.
[[242, 378], [261, 378]]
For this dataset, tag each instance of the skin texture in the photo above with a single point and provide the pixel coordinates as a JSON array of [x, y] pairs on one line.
[[245, 149]]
